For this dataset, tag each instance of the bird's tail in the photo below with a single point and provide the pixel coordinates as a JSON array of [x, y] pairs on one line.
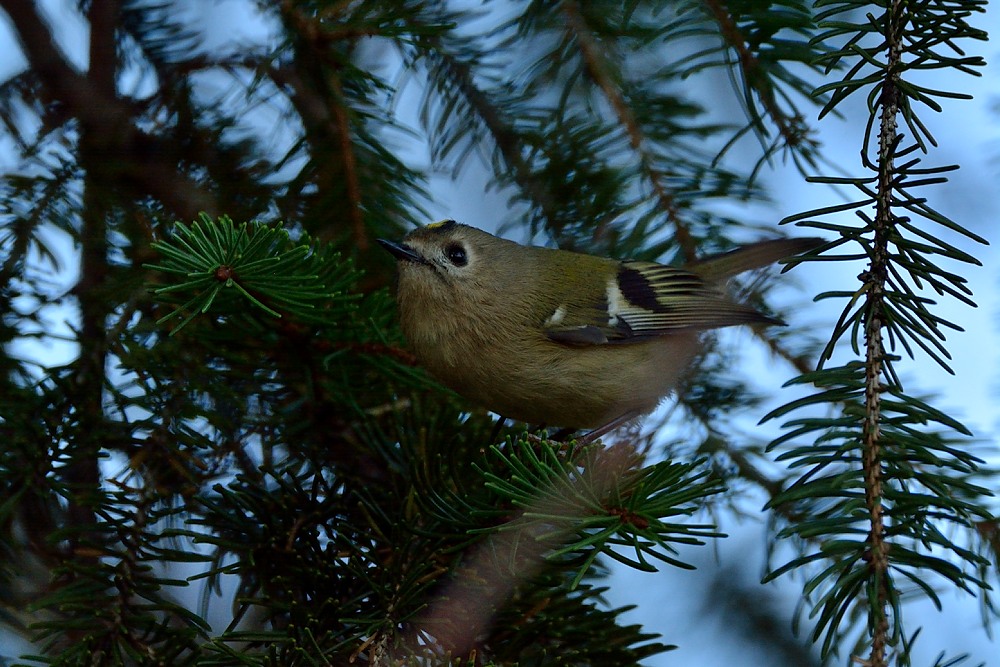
[[718, 268]]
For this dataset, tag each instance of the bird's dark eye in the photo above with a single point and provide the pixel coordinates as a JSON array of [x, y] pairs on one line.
[[456, 254]]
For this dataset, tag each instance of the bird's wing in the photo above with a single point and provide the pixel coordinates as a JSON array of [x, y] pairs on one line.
[[648, 300]]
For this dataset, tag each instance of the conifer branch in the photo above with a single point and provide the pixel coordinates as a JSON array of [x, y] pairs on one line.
[[355, 209], [754, 75], [875, 353], [108, 117], [332, 115], [506, 139], [593, 58], [83, 473], [283, 443]]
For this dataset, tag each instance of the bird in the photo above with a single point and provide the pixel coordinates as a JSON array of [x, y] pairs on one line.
[[559, 338]]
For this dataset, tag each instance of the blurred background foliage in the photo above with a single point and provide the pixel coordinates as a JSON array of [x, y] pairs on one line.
[[237, 462]]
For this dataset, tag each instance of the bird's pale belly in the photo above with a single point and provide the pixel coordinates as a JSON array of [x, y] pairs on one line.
[[577, 387]]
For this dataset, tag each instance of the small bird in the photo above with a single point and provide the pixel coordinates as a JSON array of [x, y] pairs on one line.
[[561, 338]]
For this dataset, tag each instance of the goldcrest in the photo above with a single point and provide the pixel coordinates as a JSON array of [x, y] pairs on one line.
[[561, 338]]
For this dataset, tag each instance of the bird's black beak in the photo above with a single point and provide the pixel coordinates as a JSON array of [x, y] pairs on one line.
[[402, 251]]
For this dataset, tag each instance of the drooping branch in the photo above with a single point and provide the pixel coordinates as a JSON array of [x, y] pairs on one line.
[[754, 76], [507, 140], [594, 62], [331, 117], [143, 160], [598, 72], [875, 308]]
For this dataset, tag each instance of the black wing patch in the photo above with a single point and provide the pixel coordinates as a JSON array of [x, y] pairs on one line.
[[650, 300]]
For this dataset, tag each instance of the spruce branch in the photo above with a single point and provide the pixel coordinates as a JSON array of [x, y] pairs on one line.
[[317, 34], [875, 311], [455, 80], [108, 119], [594, 64], [260, 264], [755, 77], [83, 472], [570, 507], [286, 446], [886, 466], [355, 210]]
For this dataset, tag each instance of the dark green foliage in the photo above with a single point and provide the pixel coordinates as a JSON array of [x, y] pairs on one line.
[[232, 268], [598, 500], [888, 492], [241, 464]]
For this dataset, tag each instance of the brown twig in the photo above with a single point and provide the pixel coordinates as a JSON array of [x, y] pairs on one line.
[[108, 120], [800, 363], [331, 117], [355, 210], [753, 73], [593, 59], [875, 279], [507, 140]]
